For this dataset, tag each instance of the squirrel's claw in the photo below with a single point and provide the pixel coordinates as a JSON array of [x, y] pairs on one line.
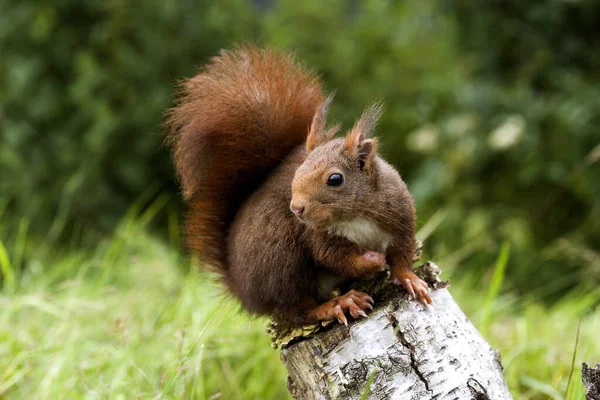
[[416, 287], [408, 285], [340, 316]]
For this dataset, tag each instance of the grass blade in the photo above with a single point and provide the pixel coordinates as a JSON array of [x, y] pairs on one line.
[[6, 267], [573, 361], [367, 389], [495, 284], [20, 244], [431, 225], [174, 375], [540, 387]]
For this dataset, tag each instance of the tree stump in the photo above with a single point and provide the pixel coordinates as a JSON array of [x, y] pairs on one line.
[[403, 350], [591, 381]]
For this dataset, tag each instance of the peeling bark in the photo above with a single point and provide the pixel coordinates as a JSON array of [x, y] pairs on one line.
[[591, 381], [401, 351]]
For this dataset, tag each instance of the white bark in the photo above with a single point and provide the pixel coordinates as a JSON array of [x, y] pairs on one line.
[[401, 351]]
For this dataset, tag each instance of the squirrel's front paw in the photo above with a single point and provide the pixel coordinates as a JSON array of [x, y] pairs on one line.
[[372, 261], [415, 286]]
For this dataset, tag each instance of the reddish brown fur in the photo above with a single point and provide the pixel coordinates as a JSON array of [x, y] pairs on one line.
[[235, 121], [239, 136]]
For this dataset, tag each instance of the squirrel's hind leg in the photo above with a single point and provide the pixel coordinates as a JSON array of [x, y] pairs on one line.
[[354, 303]]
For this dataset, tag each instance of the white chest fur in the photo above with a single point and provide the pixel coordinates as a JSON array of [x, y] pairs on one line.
[[367, 234]]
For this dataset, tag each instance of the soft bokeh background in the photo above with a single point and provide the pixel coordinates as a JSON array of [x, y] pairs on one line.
[[492, 117]]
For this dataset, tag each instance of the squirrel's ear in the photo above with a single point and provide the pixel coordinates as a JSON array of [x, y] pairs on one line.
[[366, 153], [357, 142], [318, 133]]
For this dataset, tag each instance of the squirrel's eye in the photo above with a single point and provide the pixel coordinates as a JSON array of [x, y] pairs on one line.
[[335, 180]]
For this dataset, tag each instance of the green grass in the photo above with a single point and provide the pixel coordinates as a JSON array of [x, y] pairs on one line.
[[133, 320]]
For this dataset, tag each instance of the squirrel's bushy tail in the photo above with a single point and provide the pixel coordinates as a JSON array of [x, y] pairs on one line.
[[233, 124]]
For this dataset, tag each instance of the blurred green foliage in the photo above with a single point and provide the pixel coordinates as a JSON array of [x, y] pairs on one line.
[[492, 113], [83, 90]]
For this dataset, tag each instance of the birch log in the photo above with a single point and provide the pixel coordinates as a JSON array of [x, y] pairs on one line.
[[401, 351]]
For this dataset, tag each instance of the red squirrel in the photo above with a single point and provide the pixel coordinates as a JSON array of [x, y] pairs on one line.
[[283, 209]]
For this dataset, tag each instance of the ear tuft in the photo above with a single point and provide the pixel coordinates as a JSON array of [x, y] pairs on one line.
[[318, 133], [364, 127]]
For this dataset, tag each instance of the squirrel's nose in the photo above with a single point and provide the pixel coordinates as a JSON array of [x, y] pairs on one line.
[[297, 209]]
